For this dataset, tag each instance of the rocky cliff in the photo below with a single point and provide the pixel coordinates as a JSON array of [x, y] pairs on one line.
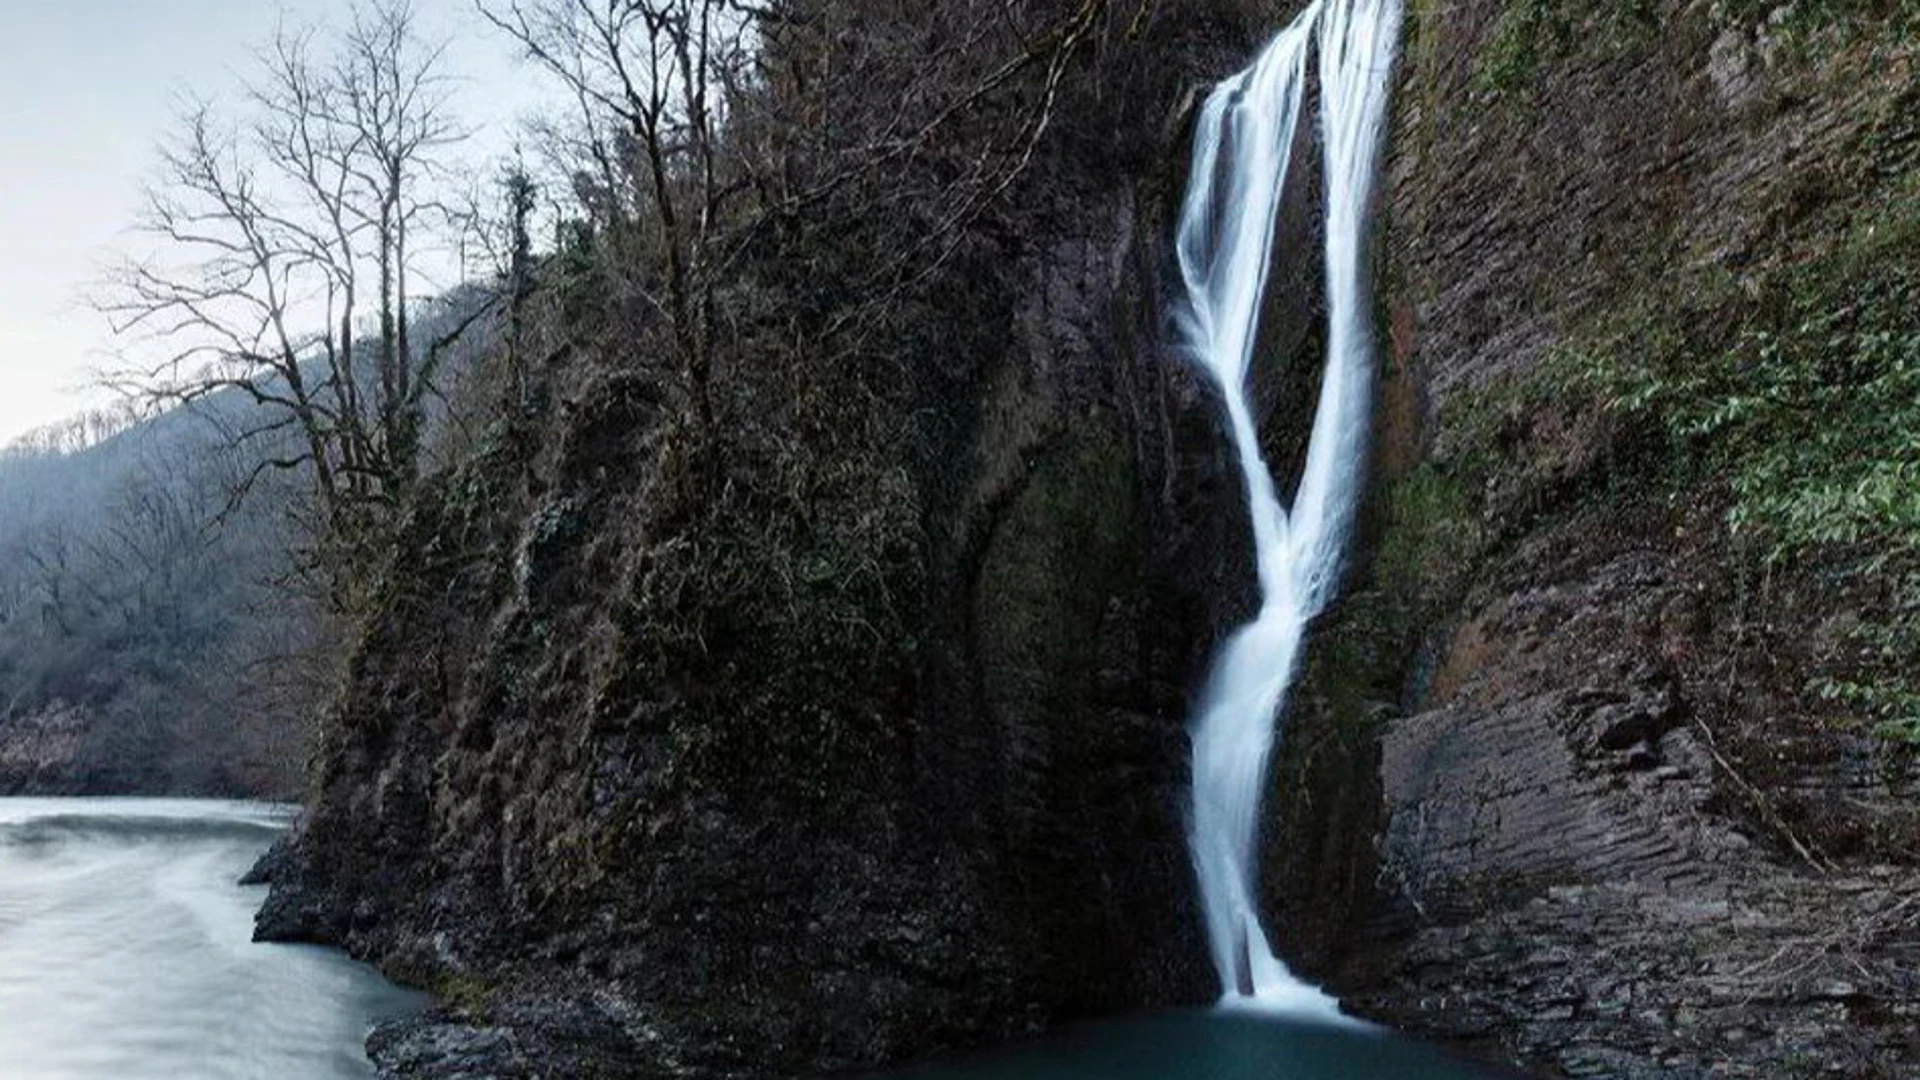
[[1635, 626], [1576, 776], [903, 768]]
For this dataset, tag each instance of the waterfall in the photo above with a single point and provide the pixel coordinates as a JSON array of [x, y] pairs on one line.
[[1242, 152]]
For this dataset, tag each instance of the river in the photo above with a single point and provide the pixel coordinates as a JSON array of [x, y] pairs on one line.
[[126, 951]]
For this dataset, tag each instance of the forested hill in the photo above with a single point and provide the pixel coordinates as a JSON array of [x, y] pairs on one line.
[[142, 645], [160, 627]]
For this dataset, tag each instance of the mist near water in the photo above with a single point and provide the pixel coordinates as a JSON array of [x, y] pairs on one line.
[[126, 951]]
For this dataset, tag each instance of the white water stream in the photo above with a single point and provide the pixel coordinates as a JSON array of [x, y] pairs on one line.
[[1241, 161]]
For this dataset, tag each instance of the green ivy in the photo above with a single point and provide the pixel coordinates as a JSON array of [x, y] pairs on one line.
[[1807, 399]]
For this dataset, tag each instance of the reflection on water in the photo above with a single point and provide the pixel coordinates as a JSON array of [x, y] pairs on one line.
[[125, 951], [1213, 1045]]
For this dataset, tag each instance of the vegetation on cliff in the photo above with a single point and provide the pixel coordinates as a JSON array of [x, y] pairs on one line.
[[1800, 392]]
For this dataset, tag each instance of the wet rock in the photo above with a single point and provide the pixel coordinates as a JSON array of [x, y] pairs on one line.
[[268, 865], [443, 1049], [1614, 844], [1642, 756], [1622, 727]]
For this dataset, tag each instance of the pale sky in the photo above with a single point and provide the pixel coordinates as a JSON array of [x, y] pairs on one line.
[[86, 89]]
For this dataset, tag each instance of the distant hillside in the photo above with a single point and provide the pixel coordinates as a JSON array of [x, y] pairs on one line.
[[138, 629], [151, 640]]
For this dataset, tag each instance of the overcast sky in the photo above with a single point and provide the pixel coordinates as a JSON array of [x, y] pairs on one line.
[[86, 88]]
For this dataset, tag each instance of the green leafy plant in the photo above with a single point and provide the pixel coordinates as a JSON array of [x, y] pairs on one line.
[[1531, 32], [1805, 19], [1809, 406]]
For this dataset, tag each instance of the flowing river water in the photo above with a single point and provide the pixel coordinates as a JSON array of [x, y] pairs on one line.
[[126, 951]]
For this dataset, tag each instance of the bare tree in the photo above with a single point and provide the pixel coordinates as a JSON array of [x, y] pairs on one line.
[[50, 555], [396, 94], [697, 122], [275, 234], [76, 433], [650, 80]]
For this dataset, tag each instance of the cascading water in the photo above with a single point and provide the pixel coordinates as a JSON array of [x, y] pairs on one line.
[[1242, 152]]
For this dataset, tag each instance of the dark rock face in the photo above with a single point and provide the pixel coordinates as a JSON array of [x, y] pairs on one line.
[[1568, 877], [607, 863], [1614, 839]]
